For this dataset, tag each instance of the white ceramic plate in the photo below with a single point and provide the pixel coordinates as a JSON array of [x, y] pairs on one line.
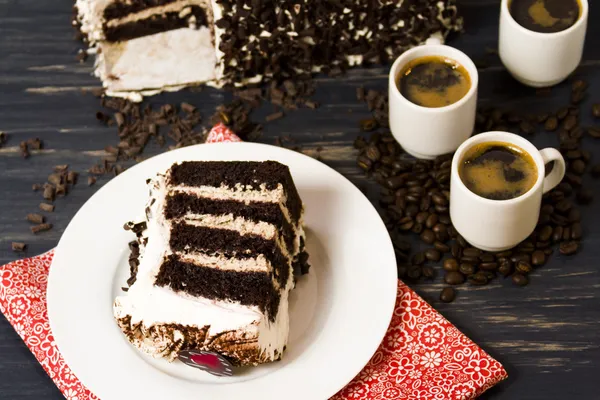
[[339, 311]]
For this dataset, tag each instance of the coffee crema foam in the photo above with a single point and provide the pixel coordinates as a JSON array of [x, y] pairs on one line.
[[433, 81], [545, 16], [498, 170]]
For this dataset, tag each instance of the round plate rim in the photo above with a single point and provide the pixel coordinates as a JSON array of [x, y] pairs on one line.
[[61, 251]]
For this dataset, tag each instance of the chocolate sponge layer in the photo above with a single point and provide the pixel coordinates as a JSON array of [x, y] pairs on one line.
[[246, 173], [248, 288], [188, 238], [179, 205]]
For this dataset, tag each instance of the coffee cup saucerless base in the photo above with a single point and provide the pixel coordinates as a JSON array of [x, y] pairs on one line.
[[497, 225], [430, 132]]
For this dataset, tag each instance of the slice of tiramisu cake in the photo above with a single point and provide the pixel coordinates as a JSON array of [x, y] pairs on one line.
[[215, 262]]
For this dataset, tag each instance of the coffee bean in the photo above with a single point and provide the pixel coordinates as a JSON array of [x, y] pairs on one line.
[[442, 247], [412, 210], [428, 272], [487, 257], [527, 128], [414, 272], [545, 233], [557, 234], [576, 231], [573, 154], [364, 163], [520, 280], [402, 245], [559, 219], [417, 228], [447, 295], [563, 206], [450, 264], [526, 247], [488, 266], [551, 124], [467, 259], [565, 187], [394, 182], [568, 248], [445, 219], [467, 269], [431, 221], [584, 196], [405, 224], [566, 233], [442, 236], [373, 153], [505, 267], [538, 258], [433, 255], [504, 254], [428, 236], [421, 217], [596, 110], [542, 245], [577, 97], [562, 113], [471, 252], [578, 167], [594, 132], [574, 215], [523, 267], [456, 250], [462, 242], [454, 278], [574, 180], [478, 279], [418, 258], [586, 156], [570, 122], [515, 258]]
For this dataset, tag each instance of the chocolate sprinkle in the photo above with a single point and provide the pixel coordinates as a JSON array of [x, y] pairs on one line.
[[41, 228], [18, 246]]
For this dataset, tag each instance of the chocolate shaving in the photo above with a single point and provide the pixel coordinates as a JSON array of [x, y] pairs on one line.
[[49, 193], [46, 207], [35, 218], [41, 228], [18, 246]]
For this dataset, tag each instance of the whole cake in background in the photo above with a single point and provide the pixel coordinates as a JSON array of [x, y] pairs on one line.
[[146, 46], [215, 261]]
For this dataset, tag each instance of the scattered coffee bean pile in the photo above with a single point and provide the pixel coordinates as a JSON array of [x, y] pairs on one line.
[[415, 198]]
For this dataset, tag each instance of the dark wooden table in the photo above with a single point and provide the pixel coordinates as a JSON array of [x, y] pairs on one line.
[[547, 335]]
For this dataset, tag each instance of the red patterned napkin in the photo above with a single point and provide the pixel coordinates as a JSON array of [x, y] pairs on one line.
[[423, 356]]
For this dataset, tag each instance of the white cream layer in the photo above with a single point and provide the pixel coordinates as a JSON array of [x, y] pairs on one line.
[[173, 58]]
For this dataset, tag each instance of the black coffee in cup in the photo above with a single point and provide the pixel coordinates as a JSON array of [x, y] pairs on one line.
[[546, 16], [433, 81], [498, 170]]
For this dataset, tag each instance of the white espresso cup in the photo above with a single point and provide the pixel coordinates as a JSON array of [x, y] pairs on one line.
[[497, 225], [541, 59], [425, 132]]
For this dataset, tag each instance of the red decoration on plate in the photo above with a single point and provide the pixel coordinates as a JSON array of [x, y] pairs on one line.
[[213, 363], [221, 133]]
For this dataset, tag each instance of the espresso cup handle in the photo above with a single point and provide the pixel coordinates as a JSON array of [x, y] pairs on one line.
[[558, 171]]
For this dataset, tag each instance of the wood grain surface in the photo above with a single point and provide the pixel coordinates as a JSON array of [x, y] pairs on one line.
[[547, 334]]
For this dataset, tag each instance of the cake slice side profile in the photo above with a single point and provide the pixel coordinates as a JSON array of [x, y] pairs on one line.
[[144, 47], [217, 251]]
